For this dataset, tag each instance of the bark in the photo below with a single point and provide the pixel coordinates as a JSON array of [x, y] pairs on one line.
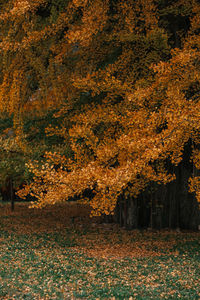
[[163, 206], [132, 213], [12, 199]]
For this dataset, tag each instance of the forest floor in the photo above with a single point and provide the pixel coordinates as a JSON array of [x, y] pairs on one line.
[[45, 255]]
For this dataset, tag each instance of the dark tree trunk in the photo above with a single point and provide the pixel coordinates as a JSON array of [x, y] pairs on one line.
[[12, 199], [7, 192], [163, 206], [132, 213]]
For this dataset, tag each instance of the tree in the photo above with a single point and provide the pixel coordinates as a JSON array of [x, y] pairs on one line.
[[136, 102]]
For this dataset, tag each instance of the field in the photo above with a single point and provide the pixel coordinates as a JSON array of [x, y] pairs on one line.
[[59, 253]]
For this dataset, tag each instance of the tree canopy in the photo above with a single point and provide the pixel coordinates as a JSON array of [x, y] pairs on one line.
[[123, 81]]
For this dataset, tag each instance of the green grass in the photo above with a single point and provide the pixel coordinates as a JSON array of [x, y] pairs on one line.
[[58, 263]]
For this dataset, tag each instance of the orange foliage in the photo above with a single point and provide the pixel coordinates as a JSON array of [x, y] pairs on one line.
[[153, 120]]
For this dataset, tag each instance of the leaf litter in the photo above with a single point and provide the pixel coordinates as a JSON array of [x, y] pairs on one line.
[[59, 253]]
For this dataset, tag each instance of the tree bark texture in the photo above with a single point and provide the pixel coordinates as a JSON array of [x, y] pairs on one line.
[[163, 206]]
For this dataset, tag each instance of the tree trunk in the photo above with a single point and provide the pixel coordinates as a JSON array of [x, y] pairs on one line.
[[132, 213], [12, 200], [161, 206]]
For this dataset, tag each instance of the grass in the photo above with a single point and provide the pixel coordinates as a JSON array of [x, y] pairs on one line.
[[44, 256]]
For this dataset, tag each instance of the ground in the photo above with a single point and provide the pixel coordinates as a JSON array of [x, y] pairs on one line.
[[59, 253]]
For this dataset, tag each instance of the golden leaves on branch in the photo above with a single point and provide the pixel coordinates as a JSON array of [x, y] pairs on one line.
[[194, 186], [93, 20], [142, 120], [138, 12], [20, 8]]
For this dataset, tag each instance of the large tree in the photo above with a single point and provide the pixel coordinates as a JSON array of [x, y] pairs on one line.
[[129, 104]]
